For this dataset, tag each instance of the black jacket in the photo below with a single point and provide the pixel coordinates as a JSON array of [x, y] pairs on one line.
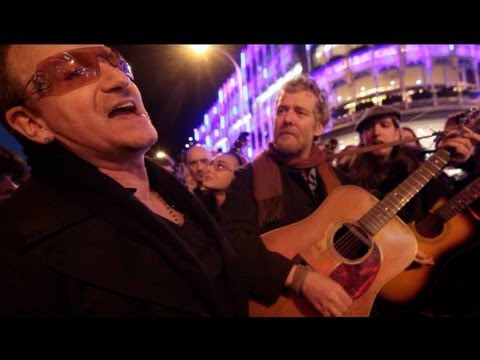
[[75, 242]]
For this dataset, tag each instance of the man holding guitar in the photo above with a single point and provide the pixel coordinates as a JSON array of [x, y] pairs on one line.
[[382, 170], [454, 287], [284, 185]]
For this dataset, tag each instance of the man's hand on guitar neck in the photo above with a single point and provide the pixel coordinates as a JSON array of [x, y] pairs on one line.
[[326, 295], [461, 144]]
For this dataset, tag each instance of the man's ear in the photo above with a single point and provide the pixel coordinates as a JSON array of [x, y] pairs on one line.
[[26, 123], [318, 130]]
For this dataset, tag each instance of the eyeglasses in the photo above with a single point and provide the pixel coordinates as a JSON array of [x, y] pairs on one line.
[[220, 166], [70, 70]]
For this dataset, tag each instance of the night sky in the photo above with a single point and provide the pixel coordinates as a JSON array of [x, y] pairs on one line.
[[178, 86]]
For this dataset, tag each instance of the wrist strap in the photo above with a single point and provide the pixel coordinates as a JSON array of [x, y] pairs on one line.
[[299, 278]]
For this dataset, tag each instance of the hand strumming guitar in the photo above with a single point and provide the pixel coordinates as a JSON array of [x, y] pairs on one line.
[[326, 295]]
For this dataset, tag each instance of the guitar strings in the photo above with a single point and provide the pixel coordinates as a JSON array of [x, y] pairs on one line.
[[349, 241], [459, 200]]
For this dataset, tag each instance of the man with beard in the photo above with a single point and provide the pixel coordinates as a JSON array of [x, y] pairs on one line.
[[283, 185]]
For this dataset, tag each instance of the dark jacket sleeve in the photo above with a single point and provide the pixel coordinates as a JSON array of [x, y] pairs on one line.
[[266, 271]]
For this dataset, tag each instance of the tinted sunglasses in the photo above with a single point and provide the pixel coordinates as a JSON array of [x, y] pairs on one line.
[[72, 69]]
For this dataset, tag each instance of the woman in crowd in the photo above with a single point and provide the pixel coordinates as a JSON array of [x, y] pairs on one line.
[[220, 174]]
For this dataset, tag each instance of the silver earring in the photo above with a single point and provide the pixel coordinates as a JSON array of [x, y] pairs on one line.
[[47, 140]]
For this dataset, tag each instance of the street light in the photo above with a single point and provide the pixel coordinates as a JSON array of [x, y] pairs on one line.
[[202, 49]]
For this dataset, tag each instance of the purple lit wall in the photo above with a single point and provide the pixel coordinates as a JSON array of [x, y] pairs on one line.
[[233, 113], [264, 67]]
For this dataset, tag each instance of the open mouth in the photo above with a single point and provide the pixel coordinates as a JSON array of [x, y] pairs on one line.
[[125, 109]]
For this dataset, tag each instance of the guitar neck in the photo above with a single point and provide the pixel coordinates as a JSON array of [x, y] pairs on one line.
[[386, 209], [459, 202]]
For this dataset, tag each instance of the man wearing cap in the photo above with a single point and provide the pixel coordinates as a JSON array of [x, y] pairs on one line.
[[388, 118], [382, 170]]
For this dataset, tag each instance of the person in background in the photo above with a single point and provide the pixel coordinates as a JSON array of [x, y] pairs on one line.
[[13, 171], [197, 159], [382, 170], [408, 133], [220, 174], [470, 169], [98, 229], [456, 287], [283, 185]]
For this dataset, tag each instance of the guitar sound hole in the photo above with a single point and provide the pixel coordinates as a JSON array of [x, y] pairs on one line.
[[351, 241], [430, 226]]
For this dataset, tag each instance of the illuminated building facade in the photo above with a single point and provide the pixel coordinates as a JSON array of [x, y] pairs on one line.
[[425, 82]]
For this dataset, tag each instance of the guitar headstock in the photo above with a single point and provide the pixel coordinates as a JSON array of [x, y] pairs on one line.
[[240, 143], [469, 119]]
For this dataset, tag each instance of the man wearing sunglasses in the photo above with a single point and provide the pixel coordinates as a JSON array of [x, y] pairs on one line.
[[98, 230]]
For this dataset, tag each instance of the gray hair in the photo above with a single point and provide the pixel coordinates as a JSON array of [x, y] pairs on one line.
[[305, 83]]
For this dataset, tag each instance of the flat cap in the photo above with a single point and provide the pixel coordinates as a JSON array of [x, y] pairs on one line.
[[375, 113]]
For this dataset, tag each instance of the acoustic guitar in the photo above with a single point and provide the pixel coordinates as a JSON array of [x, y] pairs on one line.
[[354, 239], [444, 229]]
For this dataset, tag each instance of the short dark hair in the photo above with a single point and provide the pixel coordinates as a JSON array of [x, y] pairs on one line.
[[305, 83]]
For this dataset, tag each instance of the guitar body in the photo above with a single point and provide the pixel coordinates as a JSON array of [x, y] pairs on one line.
[[407, 285], [390, 251]]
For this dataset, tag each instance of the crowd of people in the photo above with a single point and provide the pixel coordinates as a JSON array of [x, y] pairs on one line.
[[95, 226]]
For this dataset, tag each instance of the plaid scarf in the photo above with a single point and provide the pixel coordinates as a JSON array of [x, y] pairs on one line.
[[267, 184]]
